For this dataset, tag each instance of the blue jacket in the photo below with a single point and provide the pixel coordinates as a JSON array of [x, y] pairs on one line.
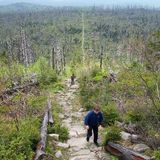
[[93, 119]]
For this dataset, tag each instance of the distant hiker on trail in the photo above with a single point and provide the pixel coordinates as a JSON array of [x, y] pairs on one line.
[[93, 121], [112, 78], [73, 79]]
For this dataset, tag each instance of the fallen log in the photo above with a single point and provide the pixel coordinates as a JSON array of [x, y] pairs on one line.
[[50, 118], [124, 153], [14, 89], [40, 151], [10, 91]]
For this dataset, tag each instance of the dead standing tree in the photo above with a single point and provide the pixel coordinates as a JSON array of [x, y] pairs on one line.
[[26, 55], [57, 58]]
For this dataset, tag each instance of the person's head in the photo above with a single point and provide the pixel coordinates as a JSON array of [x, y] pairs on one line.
[[96, 109]]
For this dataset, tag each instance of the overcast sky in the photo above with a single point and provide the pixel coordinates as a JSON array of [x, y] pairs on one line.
[[154, 3]]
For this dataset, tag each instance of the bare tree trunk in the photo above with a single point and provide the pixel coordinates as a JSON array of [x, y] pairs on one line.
[[101, 57], [158, 91], [64, 58], [10, 54], [26, 55], [53, 58]]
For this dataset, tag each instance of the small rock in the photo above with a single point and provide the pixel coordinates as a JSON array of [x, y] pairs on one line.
[[125, 136], [66, 115], [76, 149], [81, 132], [76, 115], [83, 157], [72, 134], [81, 152], [77, 142], [81, 110], [58, 154], [135, 138], [94, 148], [54, 136], [61, 116], [140, 148], [63, 145]]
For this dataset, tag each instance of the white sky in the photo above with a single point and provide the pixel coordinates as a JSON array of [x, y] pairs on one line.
[[155, 3]]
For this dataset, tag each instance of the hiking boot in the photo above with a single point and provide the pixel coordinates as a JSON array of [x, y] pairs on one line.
[[96, 143], [87, 139]]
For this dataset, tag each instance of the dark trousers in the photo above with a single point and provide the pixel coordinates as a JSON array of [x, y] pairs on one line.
[[95, 132]]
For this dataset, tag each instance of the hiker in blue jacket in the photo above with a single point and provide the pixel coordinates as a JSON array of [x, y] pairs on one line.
[[92, 121]]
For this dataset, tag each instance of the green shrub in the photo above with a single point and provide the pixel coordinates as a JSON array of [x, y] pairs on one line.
[[114, 158], [93, 89], [59, 129], [46, 74], [134, 116], [19, 145], [110, 114], [157, 155], [47, 77], [57, 126], [112, 133], [36, 102], [55, 87]]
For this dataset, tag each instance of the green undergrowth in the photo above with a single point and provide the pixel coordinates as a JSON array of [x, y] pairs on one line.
[[57, 125], [112, 134], [114, 158], [93, 88], [20, 123], [133, 99], [157, 155], [19, 144], [20, 74], [53, 87], [137, 88], [110, 114], [56, 128]]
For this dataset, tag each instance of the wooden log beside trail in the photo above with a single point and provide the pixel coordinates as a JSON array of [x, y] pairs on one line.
[[124, 153], [40, 151], [15, 89]]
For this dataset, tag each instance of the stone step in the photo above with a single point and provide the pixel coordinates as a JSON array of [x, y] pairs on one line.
[[77, 142], [91, 156], [81, 152]]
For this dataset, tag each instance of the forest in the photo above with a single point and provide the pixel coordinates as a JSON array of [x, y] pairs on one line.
[[115, 56]]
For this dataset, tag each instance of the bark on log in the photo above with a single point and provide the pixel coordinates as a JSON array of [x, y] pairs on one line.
[[124, 153], [50, 118], [42, 143]]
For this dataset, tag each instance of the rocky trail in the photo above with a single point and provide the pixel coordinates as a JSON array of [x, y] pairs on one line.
[[72, 117]]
